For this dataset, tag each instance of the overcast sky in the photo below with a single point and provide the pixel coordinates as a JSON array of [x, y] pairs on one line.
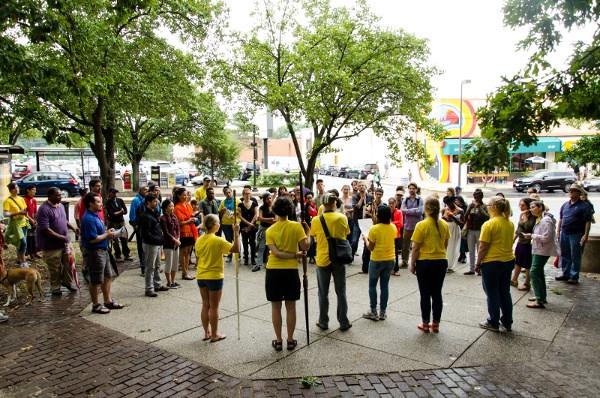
[[467, 38]]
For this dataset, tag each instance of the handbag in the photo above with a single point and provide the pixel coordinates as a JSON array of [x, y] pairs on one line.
[[340, 251]]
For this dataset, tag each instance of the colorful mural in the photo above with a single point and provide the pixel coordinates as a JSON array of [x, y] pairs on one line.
[[447, 113]]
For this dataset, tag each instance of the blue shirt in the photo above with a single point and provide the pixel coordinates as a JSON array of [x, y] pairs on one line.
[[136, 203], [574, 216], [91, 227]]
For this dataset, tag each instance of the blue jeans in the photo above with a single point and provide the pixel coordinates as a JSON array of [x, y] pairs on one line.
[[379, 270], [324, 274], [496, 284], [570, 254], [355, 237], [23, 245]]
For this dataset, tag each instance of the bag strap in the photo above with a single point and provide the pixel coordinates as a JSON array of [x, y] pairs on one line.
[[17, 203], [324, 224]]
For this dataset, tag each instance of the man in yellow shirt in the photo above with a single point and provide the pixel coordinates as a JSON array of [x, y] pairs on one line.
[[337, 225], [200, 193]]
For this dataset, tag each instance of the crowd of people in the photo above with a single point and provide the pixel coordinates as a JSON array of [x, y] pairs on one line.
[[429, 236]]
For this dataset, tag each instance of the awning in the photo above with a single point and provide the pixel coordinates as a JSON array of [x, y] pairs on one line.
[[544, 144]]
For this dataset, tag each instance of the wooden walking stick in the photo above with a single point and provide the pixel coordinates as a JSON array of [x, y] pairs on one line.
[[304, 265], [236, 265]]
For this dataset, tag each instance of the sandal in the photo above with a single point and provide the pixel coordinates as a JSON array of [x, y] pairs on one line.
[[291, 344], [514, 283], [524, 288], [113, 305], [424, 327], [100, 309], [219, 338], [396, 273], [435, 327], [278, 345], [188, 278]]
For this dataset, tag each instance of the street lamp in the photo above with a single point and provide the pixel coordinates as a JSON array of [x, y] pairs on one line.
[[460, 123], [254, 156]]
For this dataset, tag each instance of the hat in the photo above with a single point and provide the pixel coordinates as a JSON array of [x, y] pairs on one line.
[[329, 198], [577, 187], [113, 190], [458, 188]]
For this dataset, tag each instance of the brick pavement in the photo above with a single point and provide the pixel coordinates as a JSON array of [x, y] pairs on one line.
[[48, 351]]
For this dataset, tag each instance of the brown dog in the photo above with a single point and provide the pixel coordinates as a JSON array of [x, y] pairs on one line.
[[12, 276]]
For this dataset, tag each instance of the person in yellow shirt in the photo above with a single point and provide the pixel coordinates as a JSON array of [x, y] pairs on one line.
[[337, 225], [495, 261], [287, 243], [200, 193], [381, 244], [429, 261], [210, 249], [16, 209]]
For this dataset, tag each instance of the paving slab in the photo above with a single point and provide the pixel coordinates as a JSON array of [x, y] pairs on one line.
[[329, 356], [239, 358], [399, 335], [536, 323], [493, 348]]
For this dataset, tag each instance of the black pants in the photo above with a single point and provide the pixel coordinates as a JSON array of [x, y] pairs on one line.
[[397, 250], [140, 249], [366, 258], [249, 239], [121, 248], [464, 248], [430, 276]]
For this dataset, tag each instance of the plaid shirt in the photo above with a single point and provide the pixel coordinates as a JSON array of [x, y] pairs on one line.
[[170, 227]]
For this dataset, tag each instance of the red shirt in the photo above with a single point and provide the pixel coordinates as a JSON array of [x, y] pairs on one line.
[[81, 210], [31, 206], [398, 221]]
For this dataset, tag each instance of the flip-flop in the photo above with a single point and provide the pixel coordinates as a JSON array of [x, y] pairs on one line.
[[218, 339], [206, 338], [535, 305]]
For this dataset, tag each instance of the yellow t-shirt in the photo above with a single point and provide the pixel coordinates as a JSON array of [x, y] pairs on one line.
[[227, 218], [433, 243], [499, 233], [285, 235], [383, 235], [200, 194], [15, 205], [337, 224], [209, 252]]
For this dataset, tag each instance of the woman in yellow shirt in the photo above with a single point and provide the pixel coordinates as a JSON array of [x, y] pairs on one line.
[[287, 241], [496, 261], [210, 249], [381, 243], [16, 209], [429, 262]]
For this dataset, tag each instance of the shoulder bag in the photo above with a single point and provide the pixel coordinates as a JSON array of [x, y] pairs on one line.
[[340, 251]]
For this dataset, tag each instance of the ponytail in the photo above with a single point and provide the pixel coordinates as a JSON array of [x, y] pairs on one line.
[[501, 206], [432, 209]]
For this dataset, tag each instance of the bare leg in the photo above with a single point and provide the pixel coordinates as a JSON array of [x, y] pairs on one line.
[[94, 293], [527, 283], [204, 313], [214, 298], [290, 319], [516, 273], [105, 286], [173, 275], [276, 318]]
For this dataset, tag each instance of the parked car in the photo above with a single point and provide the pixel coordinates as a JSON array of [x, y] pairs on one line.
[[592, 184], [342, 172], [21, 170], [353, 174], [247, 168], [546, 180], [331, 170], [182, 177], [44, 180], [369, 168]]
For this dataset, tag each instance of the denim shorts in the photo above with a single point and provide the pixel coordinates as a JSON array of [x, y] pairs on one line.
[[212, 284]]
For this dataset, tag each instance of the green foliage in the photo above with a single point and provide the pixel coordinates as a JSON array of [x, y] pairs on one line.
[[485, 155], [159, 151], [267, 179], [584, 151], [336, 71], [219, 155], [538, 97]]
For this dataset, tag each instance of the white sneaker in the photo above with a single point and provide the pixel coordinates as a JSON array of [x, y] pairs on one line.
[[3, 318], [24, 264]]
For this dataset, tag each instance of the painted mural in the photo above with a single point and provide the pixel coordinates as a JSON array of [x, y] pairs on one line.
[[447, 113]]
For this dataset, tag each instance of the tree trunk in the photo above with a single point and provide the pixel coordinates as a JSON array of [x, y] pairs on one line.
[[212, 168], [104, 148], [309, 177], [135, 173]]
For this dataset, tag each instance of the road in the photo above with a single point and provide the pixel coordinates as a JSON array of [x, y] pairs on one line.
[[552, 200]]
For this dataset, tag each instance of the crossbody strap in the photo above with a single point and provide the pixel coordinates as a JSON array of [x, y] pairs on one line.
[[324, 224], [17, 203]]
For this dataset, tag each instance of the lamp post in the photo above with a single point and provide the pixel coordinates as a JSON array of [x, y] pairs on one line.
[[254, 156], [460, 123]]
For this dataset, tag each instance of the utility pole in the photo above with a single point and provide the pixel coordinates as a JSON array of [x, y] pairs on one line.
[[255, 155]]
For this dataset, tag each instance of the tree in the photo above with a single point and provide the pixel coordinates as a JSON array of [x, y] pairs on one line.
[[338, 72], [73, 58], [540, 96], [219, 155], [485, 156], [584, 151]]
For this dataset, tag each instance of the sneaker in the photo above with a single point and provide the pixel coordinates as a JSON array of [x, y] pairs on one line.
[[150, 293], [128, 258], [24, 264], [70, 288], [256, 268], [469, 273], [372, 315], [162, 289], [573, 281], [382, 316], [561, 278], [118, 259], [505, 329], [321, 326], [449, 271], [345, 327], [56, 292], [173, 286], [3, 318], [488, 326], [245, 261], [177, 285]]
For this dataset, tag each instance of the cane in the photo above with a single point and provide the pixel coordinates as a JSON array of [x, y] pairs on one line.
[[304, 266], [236, 264]]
